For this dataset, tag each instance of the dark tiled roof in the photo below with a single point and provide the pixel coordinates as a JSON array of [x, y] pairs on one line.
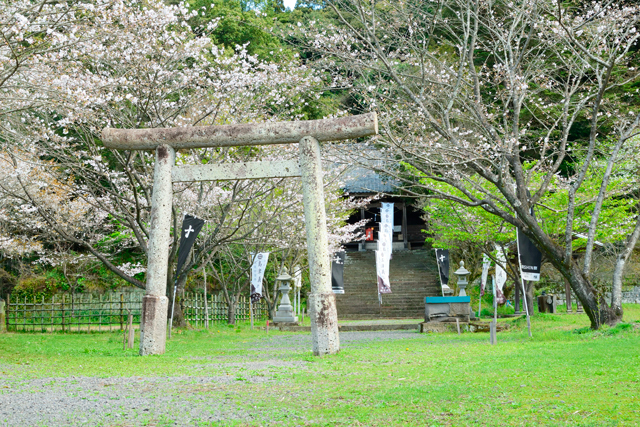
[[362, 180]]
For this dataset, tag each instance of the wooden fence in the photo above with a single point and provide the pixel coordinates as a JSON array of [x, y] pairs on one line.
[[217, 308], [86, 312]]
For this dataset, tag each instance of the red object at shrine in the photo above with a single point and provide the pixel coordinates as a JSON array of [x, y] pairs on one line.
[[369, 234]]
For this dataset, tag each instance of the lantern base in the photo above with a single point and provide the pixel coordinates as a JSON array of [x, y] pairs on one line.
[[284, 319]]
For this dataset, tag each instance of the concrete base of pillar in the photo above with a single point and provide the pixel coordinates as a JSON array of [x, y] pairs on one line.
[[153, 331], [324, 323]]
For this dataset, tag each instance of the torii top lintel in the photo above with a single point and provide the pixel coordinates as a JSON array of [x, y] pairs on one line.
[[242, 134]]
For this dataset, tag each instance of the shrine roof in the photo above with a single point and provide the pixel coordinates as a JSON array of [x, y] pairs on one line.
[[361, 180]]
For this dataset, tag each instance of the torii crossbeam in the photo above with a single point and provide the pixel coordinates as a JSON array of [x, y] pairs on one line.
[[321, 302]]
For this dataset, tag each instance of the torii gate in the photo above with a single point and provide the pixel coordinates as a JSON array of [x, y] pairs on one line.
[[322, 306]]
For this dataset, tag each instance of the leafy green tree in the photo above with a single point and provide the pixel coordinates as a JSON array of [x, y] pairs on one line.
[[244, 23], [474, 90]]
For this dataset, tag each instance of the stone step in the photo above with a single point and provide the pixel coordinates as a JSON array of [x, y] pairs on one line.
[[413, 275]]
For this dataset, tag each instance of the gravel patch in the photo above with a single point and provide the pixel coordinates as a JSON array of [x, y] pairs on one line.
[[187, 400], [80, 401]]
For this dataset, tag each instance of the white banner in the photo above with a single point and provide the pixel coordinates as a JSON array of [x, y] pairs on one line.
[[501, 274], [386, 213], [257, 273], [382, 270], [486, 264], [385, 236], [297, 276], [385, 247], [385, 239]]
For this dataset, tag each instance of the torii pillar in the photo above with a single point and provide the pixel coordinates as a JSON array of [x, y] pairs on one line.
[[322, 306]]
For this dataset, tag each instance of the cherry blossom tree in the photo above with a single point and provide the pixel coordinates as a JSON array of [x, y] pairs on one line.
[[476, 98], [143, 66], [33, 32]]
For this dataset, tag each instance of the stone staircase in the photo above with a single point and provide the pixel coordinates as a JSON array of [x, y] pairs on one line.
[[413, 274]]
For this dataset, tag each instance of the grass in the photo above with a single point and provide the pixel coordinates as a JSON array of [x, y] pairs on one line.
[[565, 375]]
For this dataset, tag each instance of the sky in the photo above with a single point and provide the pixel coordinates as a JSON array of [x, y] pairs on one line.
[[289, 3]]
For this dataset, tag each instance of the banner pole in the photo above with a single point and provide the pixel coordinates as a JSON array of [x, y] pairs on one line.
[[524, 291], [534, 277], [439, 274], [206, 305], [494, 324], [251, 311], [173, 305], [295, 300], [495, 299], [526, 306]]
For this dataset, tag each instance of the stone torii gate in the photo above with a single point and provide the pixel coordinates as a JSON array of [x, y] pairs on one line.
[[322, 307]]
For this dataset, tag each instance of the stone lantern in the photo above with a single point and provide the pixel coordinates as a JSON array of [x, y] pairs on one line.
[[285, 310], [463, 275]]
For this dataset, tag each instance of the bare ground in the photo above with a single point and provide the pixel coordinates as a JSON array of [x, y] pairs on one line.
[[207, 393]]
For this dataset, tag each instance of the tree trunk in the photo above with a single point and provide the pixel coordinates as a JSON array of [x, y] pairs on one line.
[[530, 287], [621, 262], [616, 289], [594, 304], [231, 312], [273, 308], [178, 314]]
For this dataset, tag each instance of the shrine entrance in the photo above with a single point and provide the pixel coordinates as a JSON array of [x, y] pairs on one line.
[[321, 301]]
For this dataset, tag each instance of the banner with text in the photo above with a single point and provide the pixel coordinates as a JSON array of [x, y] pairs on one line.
[[257, 274], [382, 271], [385, 247], [529, 256]]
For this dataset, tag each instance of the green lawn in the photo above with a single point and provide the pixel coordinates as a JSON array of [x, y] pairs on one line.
[[564, 375]]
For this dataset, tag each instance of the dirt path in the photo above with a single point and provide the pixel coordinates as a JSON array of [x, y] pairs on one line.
[[208, 393]]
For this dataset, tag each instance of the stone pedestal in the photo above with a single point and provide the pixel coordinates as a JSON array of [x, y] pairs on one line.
[[153, 332], [462, 292], [441, 327], [444, 309], [547, 304], [285, 309]]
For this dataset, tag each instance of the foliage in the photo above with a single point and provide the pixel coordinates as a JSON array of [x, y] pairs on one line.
[[242, 24], [7, 283], [471, 231]]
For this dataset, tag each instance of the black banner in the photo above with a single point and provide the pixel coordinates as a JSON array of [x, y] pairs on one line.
[[529, 255], [337, 273], [191, 227], [442, 256]]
